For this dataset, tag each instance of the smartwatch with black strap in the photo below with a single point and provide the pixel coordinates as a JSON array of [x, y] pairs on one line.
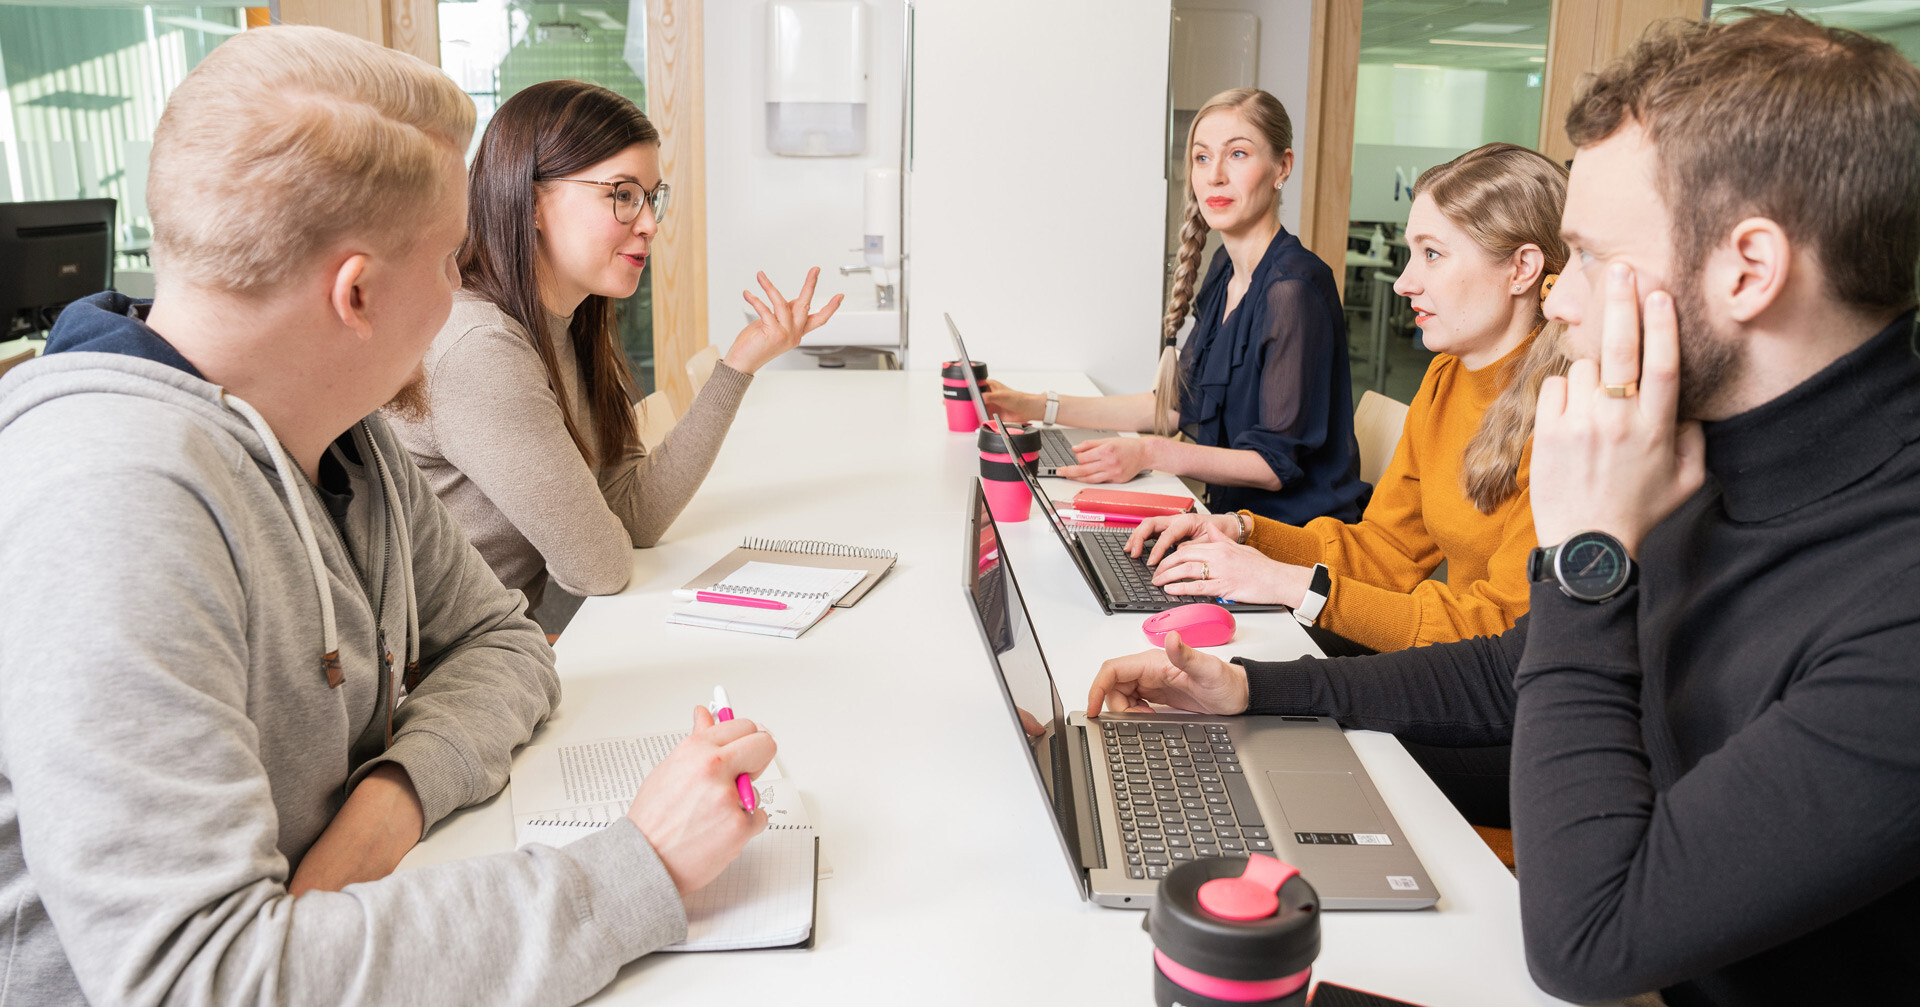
[[1591, 566], [1308, 611]]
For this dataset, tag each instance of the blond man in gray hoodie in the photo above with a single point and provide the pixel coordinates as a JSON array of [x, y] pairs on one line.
[[247, 658]]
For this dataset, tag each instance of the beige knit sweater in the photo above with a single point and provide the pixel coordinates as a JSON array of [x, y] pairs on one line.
[[496, 451]]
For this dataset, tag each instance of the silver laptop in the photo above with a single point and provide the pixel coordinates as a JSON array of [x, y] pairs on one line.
[[1135, 795], [1119, 582], [1056, 442]]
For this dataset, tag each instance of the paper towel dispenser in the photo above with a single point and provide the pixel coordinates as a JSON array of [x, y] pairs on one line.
[[817, 77]]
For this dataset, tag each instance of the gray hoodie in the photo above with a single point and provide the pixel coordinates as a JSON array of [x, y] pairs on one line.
[[172, 740]]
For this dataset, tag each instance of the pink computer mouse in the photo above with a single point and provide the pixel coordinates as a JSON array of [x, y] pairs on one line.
[[1201, 624]]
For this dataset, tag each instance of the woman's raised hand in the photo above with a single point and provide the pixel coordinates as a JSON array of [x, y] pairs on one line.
[[781, 325]]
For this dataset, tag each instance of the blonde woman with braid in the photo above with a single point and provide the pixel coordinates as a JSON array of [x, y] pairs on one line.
[[1261, 391], [1484, 233]]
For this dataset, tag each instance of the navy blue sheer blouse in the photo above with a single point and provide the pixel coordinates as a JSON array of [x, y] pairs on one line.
[[1272, 378]]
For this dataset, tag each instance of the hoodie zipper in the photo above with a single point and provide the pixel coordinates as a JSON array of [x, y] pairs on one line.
[[378, 605]]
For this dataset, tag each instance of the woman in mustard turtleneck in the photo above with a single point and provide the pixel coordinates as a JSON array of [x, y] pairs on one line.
[[1484, 237]]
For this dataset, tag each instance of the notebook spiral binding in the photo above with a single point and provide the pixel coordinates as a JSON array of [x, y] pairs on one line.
[[601, 825], [761, 592], [815, 547]]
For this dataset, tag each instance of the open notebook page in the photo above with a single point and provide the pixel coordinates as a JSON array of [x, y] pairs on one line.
[[561, 793]]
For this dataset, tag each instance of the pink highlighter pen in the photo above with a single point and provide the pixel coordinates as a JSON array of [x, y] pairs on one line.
[[723, 712]]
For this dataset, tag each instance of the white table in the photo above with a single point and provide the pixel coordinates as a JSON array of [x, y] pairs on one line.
[[949, 885]]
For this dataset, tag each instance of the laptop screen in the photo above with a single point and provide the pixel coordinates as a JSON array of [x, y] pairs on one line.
[[1060, 527], [966, 367], [1039, 720]]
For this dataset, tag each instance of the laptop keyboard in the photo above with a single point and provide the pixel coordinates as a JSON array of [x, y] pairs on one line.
[[1133, 573], [1179, 794], [1055, 449]]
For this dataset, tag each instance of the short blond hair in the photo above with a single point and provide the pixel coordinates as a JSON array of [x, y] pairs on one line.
[[286, 140]]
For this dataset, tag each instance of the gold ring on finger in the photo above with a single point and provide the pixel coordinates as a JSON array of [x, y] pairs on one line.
[[1626, 391], [1206, 572]]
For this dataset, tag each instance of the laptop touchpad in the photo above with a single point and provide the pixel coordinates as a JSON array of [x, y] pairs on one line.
[[1323, 802]]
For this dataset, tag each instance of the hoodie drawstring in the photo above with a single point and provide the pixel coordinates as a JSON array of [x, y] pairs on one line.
[[330, 633]]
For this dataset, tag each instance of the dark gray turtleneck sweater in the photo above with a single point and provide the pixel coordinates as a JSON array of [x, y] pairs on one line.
[[1716, 775]]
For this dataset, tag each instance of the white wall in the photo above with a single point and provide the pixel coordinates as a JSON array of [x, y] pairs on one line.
[[1038, 184], [785, 214]]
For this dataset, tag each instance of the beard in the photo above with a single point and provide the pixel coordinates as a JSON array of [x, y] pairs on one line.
[[410, 402], [1710, 359]]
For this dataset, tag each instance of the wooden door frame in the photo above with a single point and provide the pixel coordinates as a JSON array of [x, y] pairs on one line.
[[1326, 184], [1583, 35], [411, 26], [676, 102]]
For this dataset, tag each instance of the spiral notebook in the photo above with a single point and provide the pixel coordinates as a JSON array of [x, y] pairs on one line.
[[874, 563], [807, 592], [764, 899]]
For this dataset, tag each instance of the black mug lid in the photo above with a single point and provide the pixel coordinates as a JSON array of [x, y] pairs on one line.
[[951, 370], [1024, 441], [1281, 944]]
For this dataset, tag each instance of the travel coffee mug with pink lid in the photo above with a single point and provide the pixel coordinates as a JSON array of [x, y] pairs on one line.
[[1007, 494], [1231, 933], [961, 418]]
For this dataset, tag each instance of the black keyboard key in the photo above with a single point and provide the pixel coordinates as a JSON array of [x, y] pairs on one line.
[[1264, 845], [1195, 732], [1180, 854], [1207, 851], [1137, 873], [1156, 873], [1255, 833]]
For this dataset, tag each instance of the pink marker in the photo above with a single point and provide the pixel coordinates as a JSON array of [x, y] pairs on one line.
[[723, 712], [738, 599]]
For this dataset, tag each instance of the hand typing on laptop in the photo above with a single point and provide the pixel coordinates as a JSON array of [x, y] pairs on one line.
[[1179, 676], [1110, 459], [1156, 536], [1212, 565]]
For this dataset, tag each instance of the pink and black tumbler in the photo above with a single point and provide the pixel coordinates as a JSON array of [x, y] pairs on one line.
[[1232, 933], [961, 417], [1007, 494]]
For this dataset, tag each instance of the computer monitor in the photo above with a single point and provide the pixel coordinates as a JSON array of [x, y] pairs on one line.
[[54, 252]]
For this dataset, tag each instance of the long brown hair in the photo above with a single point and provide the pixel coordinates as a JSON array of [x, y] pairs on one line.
[[1505, 197], [552, 130], [1269, 119]]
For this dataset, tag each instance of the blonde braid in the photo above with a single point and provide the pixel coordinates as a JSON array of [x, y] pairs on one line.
[[1166, 386]]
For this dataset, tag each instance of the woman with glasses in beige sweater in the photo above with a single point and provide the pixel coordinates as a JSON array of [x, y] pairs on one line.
[[524, 421]]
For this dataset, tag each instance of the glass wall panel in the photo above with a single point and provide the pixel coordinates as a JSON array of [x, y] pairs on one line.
[[84, 86], [1436, 80]]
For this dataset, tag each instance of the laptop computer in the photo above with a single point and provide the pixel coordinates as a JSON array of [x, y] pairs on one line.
[[1056, 442], [1121, 583], [1134, 795]]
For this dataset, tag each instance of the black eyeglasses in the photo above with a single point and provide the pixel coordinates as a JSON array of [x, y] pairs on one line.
[[627, 197]]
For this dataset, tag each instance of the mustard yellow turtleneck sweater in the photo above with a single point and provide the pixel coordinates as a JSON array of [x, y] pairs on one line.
[[1419, 516]]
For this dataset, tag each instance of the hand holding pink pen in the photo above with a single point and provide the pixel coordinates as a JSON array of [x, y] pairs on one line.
[[723, 712]]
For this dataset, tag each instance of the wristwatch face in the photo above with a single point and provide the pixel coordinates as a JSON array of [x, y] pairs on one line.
[[1592, 566]]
